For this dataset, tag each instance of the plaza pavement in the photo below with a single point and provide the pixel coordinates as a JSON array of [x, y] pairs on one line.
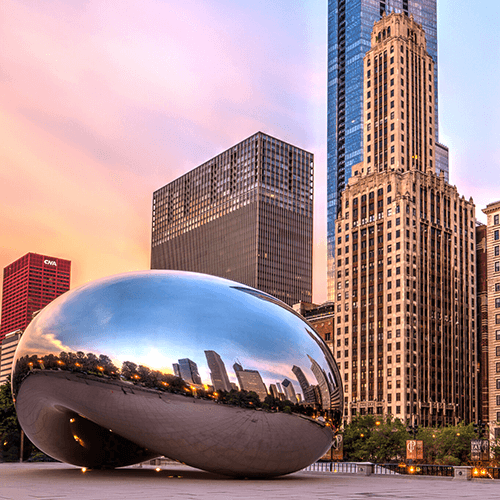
[[56, 481]]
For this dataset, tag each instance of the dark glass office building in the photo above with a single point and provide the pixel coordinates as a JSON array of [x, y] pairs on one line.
[[350, 24], [245, 215]]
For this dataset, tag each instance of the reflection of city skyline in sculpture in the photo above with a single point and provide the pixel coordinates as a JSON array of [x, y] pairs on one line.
[[274, 391], [289, 390], [250, 380], [67, 376], [323, 385], [307, 389], [218, 373], [187, 369]]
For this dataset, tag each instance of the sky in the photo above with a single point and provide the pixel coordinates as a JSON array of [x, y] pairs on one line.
[[102, 103]]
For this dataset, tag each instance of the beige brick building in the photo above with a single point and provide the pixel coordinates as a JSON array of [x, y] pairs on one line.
[[493, 316], [405, 251]]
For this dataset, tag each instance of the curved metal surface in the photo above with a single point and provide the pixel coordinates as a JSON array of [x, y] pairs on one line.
[[197, 368]]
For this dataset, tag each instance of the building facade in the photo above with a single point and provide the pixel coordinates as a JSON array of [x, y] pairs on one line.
[[482, 319], [245, 215], [492, 211], [8, 349], [29, 284], [350, 25], [218, 372], [405, 258], [321, 318], [187, 369], [251, 381]]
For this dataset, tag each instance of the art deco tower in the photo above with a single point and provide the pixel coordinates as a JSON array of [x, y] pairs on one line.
[[350, 24], [404, 264]]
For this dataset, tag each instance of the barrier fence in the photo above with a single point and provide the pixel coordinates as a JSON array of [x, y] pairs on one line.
[[346, 468], [403, 469]]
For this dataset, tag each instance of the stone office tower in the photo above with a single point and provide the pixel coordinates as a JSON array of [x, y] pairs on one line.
[[245, 215], [350, 23], [404, 334], [490, 302]]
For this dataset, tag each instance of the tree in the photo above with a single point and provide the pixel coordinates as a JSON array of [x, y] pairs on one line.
[[10, 430], [448, 445], [375, 439]]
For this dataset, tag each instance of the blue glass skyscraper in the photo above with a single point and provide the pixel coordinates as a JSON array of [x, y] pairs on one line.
[[350, 24]]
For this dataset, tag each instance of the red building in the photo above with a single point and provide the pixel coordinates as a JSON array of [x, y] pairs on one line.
[[29, 284]]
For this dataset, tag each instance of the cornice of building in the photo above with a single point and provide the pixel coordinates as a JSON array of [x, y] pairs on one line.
[[491, 207]]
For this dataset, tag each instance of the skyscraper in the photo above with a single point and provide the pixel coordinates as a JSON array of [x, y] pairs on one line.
[[8, 350], [307, 389], [218, 372], [245, 215], [350, 25], [405, 262], [188, 371], [289, 390], [29, 284], [492, 323], [251, 381]]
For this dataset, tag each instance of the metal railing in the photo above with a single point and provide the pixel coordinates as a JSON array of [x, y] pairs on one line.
[[422, 469], [403, 469], [346, 468], [486, 472]]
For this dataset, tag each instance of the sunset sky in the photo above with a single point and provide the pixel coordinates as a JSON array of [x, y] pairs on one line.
[[101, 103]]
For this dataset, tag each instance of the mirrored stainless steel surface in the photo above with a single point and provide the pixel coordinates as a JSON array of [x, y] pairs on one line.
[[197, 368]]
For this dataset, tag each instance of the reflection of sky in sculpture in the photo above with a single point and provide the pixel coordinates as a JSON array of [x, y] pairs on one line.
[[156, 318]]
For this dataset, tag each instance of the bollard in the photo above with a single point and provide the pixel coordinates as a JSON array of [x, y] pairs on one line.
[[364, 468], [463, 473]]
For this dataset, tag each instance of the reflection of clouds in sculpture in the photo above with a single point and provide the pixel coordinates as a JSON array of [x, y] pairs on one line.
[[115, 342], [41, 342]]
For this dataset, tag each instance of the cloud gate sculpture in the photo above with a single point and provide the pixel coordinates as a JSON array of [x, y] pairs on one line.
[[200, 369]]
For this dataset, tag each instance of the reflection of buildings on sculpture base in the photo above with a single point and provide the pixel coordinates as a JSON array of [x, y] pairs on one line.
[[324, 395], [289, 390], [218, 372], [188, 371], [250, 380], [311, 393]]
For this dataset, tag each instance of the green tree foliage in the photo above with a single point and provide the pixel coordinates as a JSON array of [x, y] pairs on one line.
[[368, 438], [447, 445], [365, 440], [10, 431]]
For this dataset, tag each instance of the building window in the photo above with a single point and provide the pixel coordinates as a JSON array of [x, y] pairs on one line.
[[496, 235], [498, 400], [497, 287], [498, 350], [497, 266], [497, 302], [497, 250], [498, 367], [497, 319], [497, 335], [496, 219]]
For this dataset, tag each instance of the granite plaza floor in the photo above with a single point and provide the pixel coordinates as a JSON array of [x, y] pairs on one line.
[[57, 481]]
